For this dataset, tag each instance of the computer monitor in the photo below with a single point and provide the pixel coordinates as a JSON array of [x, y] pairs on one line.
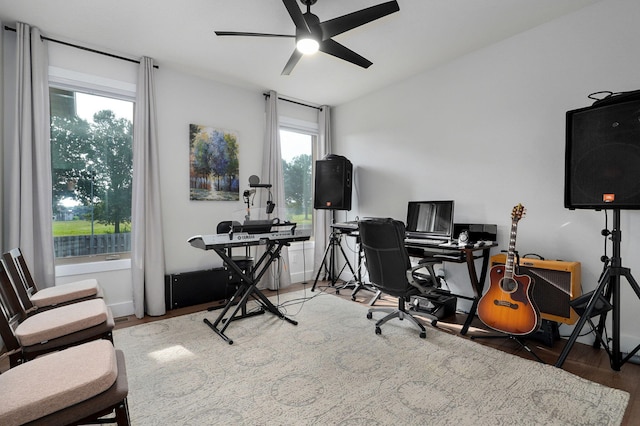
[[430, 219]]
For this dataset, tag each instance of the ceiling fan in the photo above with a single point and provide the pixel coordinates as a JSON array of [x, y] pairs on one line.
[[313, 35]]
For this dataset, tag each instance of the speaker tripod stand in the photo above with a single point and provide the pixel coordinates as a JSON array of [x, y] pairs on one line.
[[609, 289], [518, 339], [329, 257]]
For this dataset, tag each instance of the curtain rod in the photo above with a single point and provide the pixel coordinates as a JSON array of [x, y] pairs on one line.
[[319, 108], [88, 49]]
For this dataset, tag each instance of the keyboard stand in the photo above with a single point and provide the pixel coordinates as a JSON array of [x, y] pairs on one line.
[[247, 289]]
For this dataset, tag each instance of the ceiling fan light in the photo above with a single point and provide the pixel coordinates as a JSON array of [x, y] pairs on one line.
[[307, 46]]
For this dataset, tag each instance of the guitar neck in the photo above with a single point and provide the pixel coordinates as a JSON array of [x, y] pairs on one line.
[[509, 266]]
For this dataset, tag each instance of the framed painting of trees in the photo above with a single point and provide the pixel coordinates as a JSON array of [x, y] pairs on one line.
[[214, 166]]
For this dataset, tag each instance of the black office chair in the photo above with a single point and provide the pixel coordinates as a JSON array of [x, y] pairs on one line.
[[390, 269]]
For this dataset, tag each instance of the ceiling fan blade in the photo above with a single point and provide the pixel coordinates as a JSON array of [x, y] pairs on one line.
[[347, 22], [240, 33], [293, 60], [297, 16], [334, 48]]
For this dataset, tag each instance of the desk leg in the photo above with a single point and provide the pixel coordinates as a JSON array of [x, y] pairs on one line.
[[477, 284]]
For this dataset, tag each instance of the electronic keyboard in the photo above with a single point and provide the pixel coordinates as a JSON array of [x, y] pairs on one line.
[[239, 239]]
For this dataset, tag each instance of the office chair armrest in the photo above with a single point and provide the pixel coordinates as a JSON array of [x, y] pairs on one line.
[[412, 275], [429, 260], [428, 263]]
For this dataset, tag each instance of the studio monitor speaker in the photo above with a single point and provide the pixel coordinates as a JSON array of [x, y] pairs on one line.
[[333, 183], [556, 283], [602, 157]]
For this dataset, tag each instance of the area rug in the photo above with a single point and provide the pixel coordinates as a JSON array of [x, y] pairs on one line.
[[332, 369]]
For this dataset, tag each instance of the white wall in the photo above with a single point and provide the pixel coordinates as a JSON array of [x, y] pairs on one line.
[[488, 131], [184, 99]]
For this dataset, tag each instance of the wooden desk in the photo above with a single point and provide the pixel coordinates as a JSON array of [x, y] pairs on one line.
[[467, 255]]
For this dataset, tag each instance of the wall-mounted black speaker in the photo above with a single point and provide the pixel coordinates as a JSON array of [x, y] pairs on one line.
[[602, 157], [333, 183]]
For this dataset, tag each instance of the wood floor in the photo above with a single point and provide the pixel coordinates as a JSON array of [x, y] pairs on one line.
[[583, 360]]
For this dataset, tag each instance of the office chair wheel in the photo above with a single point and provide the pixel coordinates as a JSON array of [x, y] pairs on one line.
[[423, 335], [378, 330], [369, 315]]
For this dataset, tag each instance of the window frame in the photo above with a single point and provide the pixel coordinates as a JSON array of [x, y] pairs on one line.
[[307, 128], [61, 78]]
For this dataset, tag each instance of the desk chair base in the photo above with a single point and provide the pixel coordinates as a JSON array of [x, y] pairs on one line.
[[375, 298], [401, 313]]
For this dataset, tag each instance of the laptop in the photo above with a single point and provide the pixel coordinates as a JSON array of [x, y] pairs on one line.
[[430, 220]]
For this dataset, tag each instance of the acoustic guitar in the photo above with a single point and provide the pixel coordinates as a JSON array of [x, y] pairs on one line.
[[508, 306]]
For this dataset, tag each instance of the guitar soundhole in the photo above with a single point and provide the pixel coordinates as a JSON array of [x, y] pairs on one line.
[[509, 285]]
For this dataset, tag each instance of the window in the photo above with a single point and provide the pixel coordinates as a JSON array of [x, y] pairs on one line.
[[92, 158], [297, 165]]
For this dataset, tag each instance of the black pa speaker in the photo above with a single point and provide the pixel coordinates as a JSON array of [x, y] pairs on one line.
[[602, 157], [333, 183]]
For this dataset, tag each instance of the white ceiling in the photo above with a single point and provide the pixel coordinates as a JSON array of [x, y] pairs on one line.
[[180, 34]]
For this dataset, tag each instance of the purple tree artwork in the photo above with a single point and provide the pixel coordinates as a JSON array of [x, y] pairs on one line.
[[213, 164]]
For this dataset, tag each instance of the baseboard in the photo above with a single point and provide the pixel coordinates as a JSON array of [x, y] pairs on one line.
[[300, 277], [122, 309]]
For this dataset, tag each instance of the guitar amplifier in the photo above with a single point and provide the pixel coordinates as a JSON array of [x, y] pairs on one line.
[[556, 283]]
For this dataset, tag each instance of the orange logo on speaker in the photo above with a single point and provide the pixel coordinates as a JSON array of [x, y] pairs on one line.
[[608, 198]]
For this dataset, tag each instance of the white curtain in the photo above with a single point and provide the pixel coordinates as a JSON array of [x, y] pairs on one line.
[[147, 246], [322, 222], [279, 275], [27, 157]]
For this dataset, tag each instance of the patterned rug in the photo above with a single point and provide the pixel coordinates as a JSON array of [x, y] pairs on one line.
[[332, 369]]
